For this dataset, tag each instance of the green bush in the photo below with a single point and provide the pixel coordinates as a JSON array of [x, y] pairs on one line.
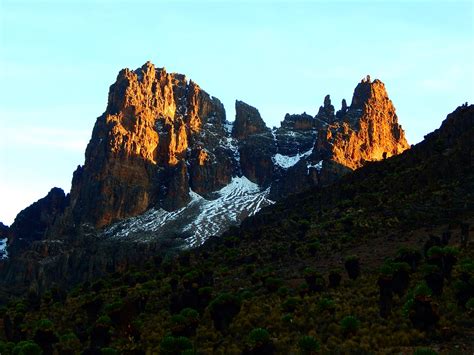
[[308, 344], [113, 307], [259, 336], [108, 351], [175, 345], [27, 348], [44, 324], [350, 324], [291, 304], [6, 347], [470, 304], [104, 320], [326, 304], [422, 289]]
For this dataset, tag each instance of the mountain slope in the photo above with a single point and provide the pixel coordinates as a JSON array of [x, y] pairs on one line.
[[266, 287], [163, 154]]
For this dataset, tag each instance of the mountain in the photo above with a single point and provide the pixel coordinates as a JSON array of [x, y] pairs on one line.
[[165, 167], [380, 261]]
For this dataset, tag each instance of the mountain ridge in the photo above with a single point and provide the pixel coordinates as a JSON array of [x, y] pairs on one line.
[[162, 140]]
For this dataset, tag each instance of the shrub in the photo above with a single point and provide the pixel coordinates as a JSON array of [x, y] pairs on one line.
[[291, 304], [259, 336], [108, 351], [283, 291], [104, 320], [350, 325], [68, 343], [470, 304], [410, 256], [327, 304], [44, 324], [175, 345], [113, 307], [27, 348], [308, 344], [422, 290], [6, 348]]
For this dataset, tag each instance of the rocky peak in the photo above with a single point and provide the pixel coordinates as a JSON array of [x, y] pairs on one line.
[[32, 223], [247, 121], [153, 122], [326, 112], [163, 164], [367, 131], [298, 122], [365, 90], [340, 114]]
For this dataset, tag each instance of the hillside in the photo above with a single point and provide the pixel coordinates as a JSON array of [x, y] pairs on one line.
[[380, 261]]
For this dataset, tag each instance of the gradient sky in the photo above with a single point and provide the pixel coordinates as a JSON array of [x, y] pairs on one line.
[[58, 59]]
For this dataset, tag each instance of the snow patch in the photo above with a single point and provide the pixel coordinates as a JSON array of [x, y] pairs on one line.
[[228, 126], [200, 218], [318, 166], [3, 249], [286, 161]]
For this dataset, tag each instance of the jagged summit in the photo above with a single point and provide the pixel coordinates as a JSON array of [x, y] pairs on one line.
[[162, 137], [163, 163], [367, 130], [247, 121]]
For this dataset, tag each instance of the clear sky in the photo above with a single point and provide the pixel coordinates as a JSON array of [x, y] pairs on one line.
[[58, 59]]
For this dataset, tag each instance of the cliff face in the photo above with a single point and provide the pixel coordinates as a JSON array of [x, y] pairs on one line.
[[161, 136], [136, 159], [368, 130], [31, 224]]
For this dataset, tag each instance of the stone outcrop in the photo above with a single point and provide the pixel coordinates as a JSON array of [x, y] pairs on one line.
[[302, 122], [32, 223], [162, 136], [326, 112], [247, 121], [368, 130], [136, 159]]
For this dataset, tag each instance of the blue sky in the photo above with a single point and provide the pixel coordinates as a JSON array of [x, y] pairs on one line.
[[58, 58]]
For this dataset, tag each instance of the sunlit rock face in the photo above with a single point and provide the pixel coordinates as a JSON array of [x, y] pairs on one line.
[[155, 122], [368, 130], [162, 136]]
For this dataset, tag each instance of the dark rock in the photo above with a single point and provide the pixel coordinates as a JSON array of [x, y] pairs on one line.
[[247, 121], [326, 112], [342, 112], [256, 154], [301, 122], [31, 224]]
